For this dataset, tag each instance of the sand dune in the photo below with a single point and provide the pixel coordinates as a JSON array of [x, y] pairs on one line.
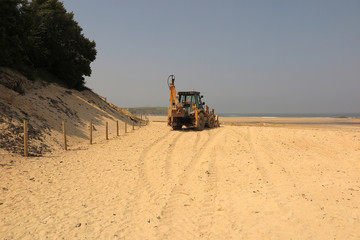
[[232, 182], [45, 106]]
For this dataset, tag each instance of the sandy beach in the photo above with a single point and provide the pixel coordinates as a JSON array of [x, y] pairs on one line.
[[179, 120], [272, 181]]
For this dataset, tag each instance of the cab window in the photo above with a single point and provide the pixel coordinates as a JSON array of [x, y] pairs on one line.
[[198, 101]]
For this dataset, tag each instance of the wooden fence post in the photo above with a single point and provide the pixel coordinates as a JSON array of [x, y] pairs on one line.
[[117, 128], [107, 131], [140, 124], [91, 128], [64, 133], [133, 125], [26, 147], [125, 127]]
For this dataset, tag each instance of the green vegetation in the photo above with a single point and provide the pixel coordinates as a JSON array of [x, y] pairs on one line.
[[157, 111], [42, 35]]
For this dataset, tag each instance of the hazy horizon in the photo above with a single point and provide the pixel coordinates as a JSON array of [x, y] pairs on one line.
[[243, 56]]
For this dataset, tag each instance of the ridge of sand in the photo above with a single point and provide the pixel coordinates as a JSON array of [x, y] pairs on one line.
[[45, 106]]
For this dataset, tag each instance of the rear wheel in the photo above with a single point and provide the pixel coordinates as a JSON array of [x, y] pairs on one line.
[[176, 127], [201, 122]]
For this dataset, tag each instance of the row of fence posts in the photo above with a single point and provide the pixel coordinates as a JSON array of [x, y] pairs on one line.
[[26, 134]]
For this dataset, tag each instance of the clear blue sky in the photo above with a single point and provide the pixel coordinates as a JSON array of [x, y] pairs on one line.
[[244, 56]]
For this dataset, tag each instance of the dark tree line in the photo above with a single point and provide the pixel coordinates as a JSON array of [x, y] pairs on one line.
[[41, 34]]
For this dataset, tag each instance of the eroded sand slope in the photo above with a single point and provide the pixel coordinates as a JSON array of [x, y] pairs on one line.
[[232, 182], [45, 106]]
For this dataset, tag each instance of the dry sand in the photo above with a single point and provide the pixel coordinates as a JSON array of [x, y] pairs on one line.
[[232, 182]]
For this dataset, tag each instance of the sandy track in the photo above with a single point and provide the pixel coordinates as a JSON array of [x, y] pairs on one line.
[[232, 182]]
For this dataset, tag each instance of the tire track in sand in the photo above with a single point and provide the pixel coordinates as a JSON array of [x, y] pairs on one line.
[[176, 222], [133, 223], [233, 213], [139, 222], [226, 222], [175, 149], [207, 216], [272, 189]]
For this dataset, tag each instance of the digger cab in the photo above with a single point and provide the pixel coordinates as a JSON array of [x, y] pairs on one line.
[[190, 100]]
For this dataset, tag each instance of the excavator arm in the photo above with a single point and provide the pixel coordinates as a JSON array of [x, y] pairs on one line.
[[176, 110], [174, 102]]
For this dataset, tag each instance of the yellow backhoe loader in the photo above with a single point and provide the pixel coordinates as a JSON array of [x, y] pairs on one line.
[[187, 109]]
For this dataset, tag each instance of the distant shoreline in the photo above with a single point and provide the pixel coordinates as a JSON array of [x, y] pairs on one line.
[[278, 121]]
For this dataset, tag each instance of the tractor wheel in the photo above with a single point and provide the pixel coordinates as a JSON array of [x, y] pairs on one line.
[[176, 127], [211, 122], [201, 122]]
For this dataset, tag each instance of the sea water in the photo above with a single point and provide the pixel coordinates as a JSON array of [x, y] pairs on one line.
[[292, 115]]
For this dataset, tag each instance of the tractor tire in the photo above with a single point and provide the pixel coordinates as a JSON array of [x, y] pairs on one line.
[[176, 127], [211, 123], [201, 122]]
